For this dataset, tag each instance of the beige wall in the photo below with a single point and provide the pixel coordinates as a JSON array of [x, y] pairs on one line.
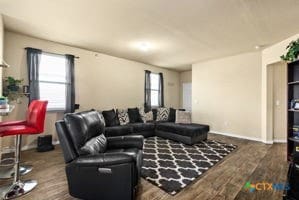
[[270, 55], [1, 47], [226, 94], [102, 81], [1, 57], [185, 77]]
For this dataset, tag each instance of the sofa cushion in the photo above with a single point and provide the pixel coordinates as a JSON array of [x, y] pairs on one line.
[[111, 118], [171, 116], [146, 116], [190, 130], [118, 130], [139, 127], [134, 115], [123, 116], [83, 126], [155, 111], [183, 117], [102, 118], [162, 114], [94, 146]]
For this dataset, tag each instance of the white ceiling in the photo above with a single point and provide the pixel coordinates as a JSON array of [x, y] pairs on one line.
[[180, 32]]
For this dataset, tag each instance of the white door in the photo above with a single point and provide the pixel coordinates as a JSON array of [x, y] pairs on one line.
[[187, 96]]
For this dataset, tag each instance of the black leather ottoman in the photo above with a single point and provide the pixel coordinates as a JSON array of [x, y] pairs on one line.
[[185, 133]]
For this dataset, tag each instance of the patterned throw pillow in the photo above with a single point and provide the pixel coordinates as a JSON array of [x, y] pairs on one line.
[[146, 116], [123, 117], [183, 117], [162, 114]]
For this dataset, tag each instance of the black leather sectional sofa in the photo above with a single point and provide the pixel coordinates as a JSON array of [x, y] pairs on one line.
[[114, 173], [185, 133]]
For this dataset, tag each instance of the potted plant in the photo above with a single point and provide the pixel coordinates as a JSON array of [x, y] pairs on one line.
[[293, 51], [13, 84], [11, 88]]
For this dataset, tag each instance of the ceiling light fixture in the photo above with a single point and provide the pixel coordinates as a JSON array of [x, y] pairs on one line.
[[144, 46], [261, 46]]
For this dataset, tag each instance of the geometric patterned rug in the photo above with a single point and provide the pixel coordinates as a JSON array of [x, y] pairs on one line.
[[172, 166]]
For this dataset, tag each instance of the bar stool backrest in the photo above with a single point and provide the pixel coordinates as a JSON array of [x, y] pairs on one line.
[[36, 114]]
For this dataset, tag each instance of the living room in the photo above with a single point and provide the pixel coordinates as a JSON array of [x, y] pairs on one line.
[[189, 76]]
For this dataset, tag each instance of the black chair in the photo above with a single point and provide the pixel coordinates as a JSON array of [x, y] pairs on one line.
[[112, 174]]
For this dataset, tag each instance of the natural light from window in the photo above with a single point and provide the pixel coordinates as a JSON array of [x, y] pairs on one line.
[[52, 81], [155, 81]]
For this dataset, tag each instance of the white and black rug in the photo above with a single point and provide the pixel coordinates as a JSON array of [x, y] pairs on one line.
[[172, 166]]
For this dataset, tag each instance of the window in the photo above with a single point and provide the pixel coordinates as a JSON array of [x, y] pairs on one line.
[[53, 81], [153, 90], [187, 96], [155, 87]]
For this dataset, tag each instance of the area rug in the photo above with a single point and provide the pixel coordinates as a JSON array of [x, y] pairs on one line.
[[172, 166]]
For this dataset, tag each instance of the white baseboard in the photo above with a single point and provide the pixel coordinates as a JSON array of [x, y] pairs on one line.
[[248, 138], [280, 141], [237, 136]]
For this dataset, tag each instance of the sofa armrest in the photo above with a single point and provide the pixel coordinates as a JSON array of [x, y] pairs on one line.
[[105, 176], [129, 141], [102, 160]]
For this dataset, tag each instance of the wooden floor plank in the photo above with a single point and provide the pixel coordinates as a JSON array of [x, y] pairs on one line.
[[251, 161]]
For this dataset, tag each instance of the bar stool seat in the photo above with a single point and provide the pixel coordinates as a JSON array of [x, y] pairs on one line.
[[8, 172], [34, 124], [16, 130]]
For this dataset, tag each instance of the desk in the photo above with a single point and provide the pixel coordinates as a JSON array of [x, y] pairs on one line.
[[6, 111]]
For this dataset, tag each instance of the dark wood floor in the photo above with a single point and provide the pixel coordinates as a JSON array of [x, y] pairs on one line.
[[252, 161]]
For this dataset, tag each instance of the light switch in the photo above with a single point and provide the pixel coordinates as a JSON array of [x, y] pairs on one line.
[[277, 103]]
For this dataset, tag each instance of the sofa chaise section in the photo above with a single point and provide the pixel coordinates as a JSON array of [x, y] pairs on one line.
[[185, 133]]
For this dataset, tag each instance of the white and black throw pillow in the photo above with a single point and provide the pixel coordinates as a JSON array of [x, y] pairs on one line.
[[162, 114], [123, 117], [146, 116], [149, 116], [183, 117]]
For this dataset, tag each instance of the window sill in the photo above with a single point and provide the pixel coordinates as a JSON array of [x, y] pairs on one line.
[[55, 111]]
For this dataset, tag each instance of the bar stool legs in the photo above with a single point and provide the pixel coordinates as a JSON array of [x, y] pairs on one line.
[[7, 173], [18, 187]]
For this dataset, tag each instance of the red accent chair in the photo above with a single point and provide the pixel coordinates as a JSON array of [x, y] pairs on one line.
[[34, 124]]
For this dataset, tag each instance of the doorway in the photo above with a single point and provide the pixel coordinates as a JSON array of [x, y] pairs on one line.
[[277, 102], [187, 96]]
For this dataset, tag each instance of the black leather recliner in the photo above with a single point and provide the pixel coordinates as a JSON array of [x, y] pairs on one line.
[[113, 174]]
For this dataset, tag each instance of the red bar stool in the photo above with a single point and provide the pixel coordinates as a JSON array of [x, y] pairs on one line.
[[34, 124]]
